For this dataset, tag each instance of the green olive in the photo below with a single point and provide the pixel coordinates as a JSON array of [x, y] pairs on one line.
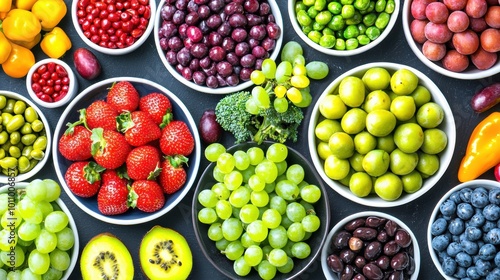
[[28, 139], [3, 102], [30, 114], [9, 107], [37, 125], [19, 107], [23, 164], [40, 143], [37, 154], [15, 137], [14, 151], [15, 123]]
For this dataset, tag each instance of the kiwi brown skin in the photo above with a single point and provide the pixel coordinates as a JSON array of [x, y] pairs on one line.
[[165, 254], [106, 255]]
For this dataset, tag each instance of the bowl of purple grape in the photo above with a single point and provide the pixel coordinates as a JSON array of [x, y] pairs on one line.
[[213, 46], [464, 231]]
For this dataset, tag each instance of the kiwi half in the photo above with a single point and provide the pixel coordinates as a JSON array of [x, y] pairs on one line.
[[165, 254], [106, 257]]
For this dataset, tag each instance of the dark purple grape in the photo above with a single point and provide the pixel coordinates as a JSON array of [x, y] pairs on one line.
[[199, 78], [214, 21], [248, 60], [182, 30], [184, 57], [225, 29], [216, 5], [194, 65], [203, 27], [253, 19], [203, 11], [205, 62], [270, 18], [224, 68], [215, 39], [199, 50], [242, 49], [187, 73], [233, 8], [212, 82], [257, 32], [192, 18], [264, 9], [188, 43], [228, 44], [237, 20], [167, 12], [232, 80], [258, 63], [179, 68], [253, 43], [178, 17], [273, 30], [237, 70], [232, 58], [251, 6], [268, 44], [239, 34], [259, 52], [171, 57], [221, 80], [192, 7], [181, 4], [217, 53], [175, 43], [245, 74], [163, 44], [167, 30], [194, 34], [211, 70], [200, 2], [210, 129]]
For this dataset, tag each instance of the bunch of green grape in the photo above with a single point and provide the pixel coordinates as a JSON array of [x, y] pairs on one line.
[[277, 84], [36, 239], [260, 210]]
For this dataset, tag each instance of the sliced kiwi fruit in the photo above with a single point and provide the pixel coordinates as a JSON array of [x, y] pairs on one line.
[[165, 254], [106, 257]]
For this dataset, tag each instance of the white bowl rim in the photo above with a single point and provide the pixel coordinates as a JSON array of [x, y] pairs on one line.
[[445, 156], [76, 246], [220, 90], [73, 85], [324, 251], [359, 50], [489, 184], [188, 184], [117, 51], [472, 74], [41, 163]]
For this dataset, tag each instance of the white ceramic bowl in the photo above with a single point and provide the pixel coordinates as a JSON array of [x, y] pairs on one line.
[[24, 176], [471, 73], [331, 51], [326, 250], [99, 91], [73, 84], [71, 223], [220, 90], [487, 184], [117, 51], [448, 126]]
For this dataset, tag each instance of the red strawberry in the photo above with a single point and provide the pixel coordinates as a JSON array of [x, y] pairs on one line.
[[176, 139], [109, 148], [123, 97], [138, 127], [100, 114], [75, 143], [143, 163], [83, 178], [158, 106], [113, 195], [172, 175], [146, 195]]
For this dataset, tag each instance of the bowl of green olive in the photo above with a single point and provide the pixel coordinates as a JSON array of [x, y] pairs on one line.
[[343, 28], [24, 138]]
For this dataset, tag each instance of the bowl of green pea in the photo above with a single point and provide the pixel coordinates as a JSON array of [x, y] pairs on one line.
[[343, 27]]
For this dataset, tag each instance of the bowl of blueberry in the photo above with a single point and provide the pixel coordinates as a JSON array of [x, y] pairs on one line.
[[213, 46], [464, 232]]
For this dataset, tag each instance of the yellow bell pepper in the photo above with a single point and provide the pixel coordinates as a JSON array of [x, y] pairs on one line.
[[25, 4], [55, 43], [5, 48], [19, 62], [21, 25], [5, 5], [31, 43], [483, 149], [49, 12]]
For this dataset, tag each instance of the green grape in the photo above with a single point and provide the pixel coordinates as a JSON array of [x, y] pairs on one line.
[[277, 257], [252, 107], [277, 237], [6, 240], [299, 69], [295, 211], [225, 162], [295, 173], [287, 190], [290, 50], [310, 193], [207, 215], [221, 245], [28, 231], [295, 232], [218, 174], [311, 223], [259, 198], [268, 68], [213, 151], [59, 259], [299, 60], [282, 167], [271, 218], [246, 241], [223, 209], [3, 273], [253, 255], [277, 152], [13, 260], [278, 203], [299, 81], [256, 183], [257, 77], [14, 275], [266, 249], [36, 190], [249, 213], [280, 91], [283, 71], [270, 187], [65, 239], [288, 248], [232, 229], [280, 104], [308, 206], [256, 155], [306, 98], [38, 262], [12, 215], [236, 212], [27, 274], [24, 244], [262, 210], [317, 70], [266, 270], [233, 179], [261, 97], [257, 231], [249, 171], [29, 210], [53, 190], [267, 170], [221, 191], [242, 161], [46, 242], [52, 274], [207, 198], [240, 267], [239, 197], [46, 207], [215, 232], [294, 95], [287, 267], [234, 250], [4, 202], [56, 221], [301, 250]]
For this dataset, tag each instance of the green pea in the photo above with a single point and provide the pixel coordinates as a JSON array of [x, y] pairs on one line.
[[339, 34], [361, 29], [299, 5], [312, 12], [14, 151], [372, 32], [382, 20], [30, 114], [37, 125], [327, 41], [340, 44], [15, 123], [380, 6], [369, 19], [337, 23], [28, 139], [355, 19], [19, 107], [8, 162], [361, 4], [3, 102], [26, 151], [303, 18], [323, 17], [351, 44], [6, 118], [307, 29], [371, 7], [390, 7], [317, 26], [2, 153], [363, 40], [351, 32], [15, 137], [346, 2], [315, 36], [23, 164], [308, 2], [319, 5], [40, 143], [9, 107], [4, 137], [327, 31], [335, 8], [348, 11], [37, 154], [26, 129]]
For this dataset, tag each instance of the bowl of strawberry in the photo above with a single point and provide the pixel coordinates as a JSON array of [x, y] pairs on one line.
[[113, 27], [126, 150]]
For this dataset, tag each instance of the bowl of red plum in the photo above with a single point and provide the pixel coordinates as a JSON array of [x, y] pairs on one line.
[[456, 38], [463, 232], [370, 245], [213, 46]]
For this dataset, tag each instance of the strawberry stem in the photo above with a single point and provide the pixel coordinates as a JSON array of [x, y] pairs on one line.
[[82, 119], [92, 172], [167, 118], [98, 141], [124, 122]]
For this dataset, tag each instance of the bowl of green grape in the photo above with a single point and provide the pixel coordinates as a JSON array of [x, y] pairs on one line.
[[260, 211]]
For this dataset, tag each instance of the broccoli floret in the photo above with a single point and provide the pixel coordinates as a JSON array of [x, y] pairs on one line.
[[232, 116], [279, 126]]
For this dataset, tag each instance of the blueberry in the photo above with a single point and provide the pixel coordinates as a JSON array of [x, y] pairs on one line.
[[473, 273], [448, 207], [449, 266], [494, 274], [440, 242], [479, 198], [473, 233], [493, 236], [463, 259], [497, 259], [470, 247], [465, 194], [465, 211], [487, 252], [456, 226], [460, 272], [494, 196], [481, 189], [439, 226], [477, 220], [455, 238], [442, 255], [453, 249], [491, 212], [455, 196], [483, 267], [489, 225]]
